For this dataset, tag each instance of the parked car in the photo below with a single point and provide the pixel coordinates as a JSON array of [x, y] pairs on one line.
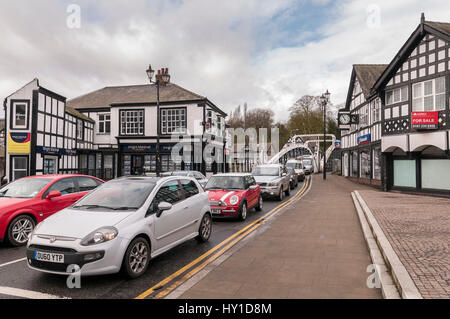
[[273, 180], [232, 195], [197, 175], [293, 177], [308, 165], [29, 200], [298, 167], [121, 225]]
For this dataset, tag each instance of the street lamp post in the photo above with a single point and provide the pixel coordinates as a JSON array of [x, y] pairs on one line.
[[162, 78], [324, 99]]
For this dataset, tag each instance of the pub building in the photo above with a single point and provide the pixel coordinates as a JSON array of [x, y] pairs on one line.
[[111, 132], [414, 118]]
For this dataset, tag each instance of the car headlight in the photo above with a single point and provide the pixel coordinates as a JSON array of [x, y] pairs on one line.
[[99, 236], [234, 200]]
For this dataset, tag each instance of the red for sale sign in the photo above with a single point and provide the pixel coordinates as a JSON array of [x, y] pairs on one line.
[[425, 120]]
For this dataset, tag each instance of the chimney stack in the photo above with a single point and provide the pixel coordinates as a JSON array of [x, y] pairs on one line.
[[422, 18]]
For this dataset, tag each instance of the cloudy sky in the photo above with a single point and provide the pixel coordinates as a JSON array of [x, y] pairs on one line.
[[264, 52]]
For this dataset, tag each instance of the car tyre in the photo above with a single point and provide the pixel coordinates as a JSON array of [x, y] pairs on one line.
[[280, 195], [288, 192], [19, 229], [205, 229], [137, 258], [243, 212], [260, 204]]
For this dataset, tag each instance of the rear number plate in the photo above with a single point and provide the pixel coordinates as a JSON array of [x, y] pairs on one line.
[[49, 257]]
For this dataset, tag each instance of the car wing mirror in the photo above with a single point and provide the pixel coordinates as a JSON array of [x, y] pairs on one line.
[[53, 194], [163, 206]]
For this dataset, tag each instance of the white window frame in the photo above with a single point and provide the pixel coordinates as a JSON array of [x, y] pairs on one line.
[[13, 169], [403, 97], [104, 121], [14, 110], [419, 95], [173, 120], [134, 127]]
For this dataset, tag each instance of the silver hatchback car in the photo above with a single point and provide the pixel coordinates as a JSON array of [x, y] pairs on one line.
[[121, 225]]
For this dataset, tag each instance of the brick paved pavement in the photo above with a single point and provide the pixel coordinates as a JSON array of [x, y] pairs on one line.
[[315, 249], [418, 228]]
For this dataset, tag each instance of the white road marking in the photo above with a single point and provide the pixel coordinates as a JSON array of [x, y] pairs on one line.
[[27, 293], [13, 262]]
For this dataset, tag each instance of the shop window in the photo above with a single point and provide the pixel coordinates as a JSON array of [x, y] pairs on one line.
[[405, 173], [354, 167], [19, 167], [377, 163], [364, 158], [173, 121], [429, 95], [132, 122], [19, 115], [50, 165], [104, 123], [436, 174]]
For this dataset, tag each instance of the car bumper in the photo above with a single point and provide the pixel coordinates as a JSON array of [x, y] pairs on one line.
[[224, 211], [270, 192], [101, 259]]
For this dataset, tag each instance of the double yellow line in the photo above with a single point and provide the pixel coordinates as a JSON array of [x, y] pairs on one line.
[[218, 250]]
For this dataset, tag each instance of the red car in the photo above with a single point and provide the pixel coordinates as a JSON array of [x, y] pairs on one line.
[[232, 195], [27, 201]]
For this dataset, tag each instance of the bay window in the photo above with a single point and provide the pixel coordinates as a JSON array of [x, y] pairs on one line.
[[429, 95]]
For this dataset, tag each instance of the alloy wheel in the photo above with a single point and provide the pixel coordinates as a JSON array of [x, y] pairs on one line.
[[21, 229], [206, 227], [138, 257]]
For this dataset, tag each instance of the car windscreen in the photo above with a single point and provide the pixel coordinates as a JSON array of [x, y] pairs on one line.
[[290, 170], [225, 182], [117, 195], [24, 188], [266, 171]]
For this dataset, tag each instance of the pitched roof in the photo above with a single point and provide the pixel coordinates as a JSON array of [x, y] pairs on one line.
[[133, 94], [74, 112], [439, 29], [367, 75], [440, 26]]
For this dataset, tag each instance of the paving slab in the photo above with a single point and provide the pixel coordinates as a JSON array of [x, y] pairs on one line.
[[315, 249], [418, 229]]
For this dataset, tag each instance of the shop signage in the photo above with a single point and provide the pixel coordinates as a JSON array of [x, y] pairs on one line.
[[138, 148], [364, 139], [337, 144], [19, 143], [45, 150], [425, 120]]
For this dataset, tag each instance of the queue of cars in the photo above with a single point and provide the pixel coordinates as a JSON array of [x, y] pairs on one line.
[[106, 227]]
